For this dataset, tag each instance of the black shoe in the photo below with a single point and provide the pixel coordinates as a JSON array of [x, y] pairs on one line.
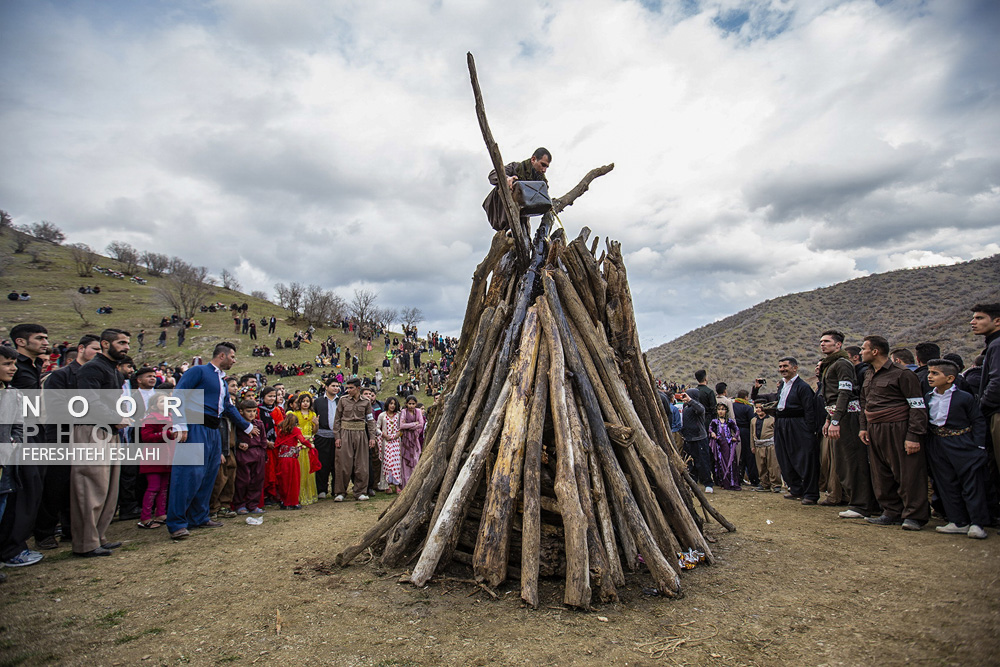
[[807, 501], [99, 551], [883, 520], [912, 524], [111, 545], [49, 542]]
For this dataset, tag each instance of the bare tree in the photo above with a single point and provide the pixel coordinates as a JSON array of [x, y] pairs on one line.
[[22, 238], [290, 297], [229, 280], [362, 306], [126, 256], [411, 317], [155, 262], [84, 257], [260, 294], [6, 222], [384, 317], [321, 306], [80, 306], [186, 288], [47, 231]]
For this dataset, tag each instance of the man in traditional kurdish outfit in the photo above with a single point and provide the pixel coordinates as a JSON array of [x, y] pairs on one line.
[[354, 430], [840, 395]]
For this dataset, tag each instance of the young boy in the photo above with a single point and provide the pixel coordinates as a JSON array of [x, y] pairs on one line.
[[762, 447], [956, 449], [251, 457]]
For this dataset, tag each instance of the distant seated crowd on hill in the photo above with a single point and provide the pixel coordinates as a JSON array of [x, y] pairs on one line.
[[877, 428], [262, 446]]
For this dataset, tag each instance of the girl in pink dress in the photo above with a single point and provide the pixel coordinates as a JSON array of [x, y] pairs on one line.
[[387, 437], [411, 428]]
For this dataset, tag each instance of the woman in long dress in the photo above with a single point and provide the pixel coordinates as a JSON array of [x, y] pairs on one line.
[[387, 437], [308, 422], [724, 439], [411, 429]]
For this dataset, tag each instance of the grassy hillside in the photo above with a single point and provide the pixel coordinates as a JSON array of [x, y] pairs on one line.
[[908, 306], [52, 281]]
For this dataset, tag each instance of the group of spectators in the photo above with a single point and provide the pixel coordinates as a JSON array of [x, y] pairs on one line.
[[262, 446], [880, 428]]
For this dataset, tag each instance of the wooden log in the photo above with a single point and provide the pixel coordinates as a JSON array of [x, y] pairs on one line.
[[451, 512], [560, 203], [577, 592], [623, 436], [499, 246], [600, 571], [655, 517], [462, 437], [660, 568], [530, 524], [698, 491], [518, 233], [490, 556], [598, 285], [683, 523], [430, 469]]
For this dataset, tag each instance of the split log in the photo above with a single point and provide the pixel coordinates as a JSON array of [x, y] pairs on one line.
[[577, 592], [663, 573], [560, 203], [491, 554], [518, 232], [530, 528], [461, 492]]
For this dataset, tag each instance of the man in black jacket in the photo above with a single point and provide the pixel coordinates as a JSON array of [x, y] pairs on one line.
[[532, 169], [696, 441], [795, 432], [326, 410], [94, 488], [986, 323], [31, 341], [55, 497]]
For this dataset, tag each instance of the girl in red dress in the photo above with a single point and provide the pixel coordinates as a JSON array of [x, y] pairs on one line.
[[288, 443]]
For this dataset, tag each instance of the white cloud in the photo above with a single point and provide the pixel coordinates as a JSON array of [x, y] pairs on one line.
[[761, 146]]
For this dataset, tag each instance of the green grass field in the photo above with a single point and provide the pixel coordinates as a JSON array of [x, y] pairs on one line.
[[52, 281]]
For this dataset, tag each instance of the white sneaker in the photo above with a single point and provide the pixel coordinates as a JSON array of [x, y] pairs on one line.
[[977, 533], [952, 529], [362, 497], [339, 498], [850, 514], [709, 489], [321, 496]]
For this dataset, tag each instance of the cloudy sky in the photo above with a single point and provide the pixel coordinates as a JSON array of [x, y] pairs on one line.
[[761, 146]]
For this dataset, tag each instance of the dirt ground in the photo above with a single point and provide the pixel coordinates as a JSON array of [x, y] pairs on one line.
[[794, 586]]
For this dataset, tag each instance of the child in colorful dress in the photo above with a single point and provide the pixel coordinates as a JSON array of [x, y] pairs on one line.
[[154, 429], [289, 443], [271, 414], [411, 424], [724, 440], [251, 459], [387, 438], [308, 422]]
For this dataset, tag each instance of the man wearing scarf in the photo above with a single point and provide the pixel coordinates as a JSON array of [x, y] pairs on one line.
[[838, 380]]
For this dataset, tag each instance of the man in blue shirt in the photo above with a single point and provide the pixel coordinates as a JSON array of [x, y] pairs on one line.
[[191, 485]]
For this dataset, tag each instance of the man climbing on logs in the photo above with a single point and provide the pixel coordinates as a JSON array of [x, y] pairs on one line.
[[532, 169]]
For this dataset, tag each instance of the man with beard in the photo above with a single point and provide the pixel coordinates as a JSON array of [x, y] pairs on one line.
[[795, 432], [840, 396], [374, 463], [532, 169], [893, 421], [190, 485], [986, 323], [94, 488], [353, 429], [326, 411]]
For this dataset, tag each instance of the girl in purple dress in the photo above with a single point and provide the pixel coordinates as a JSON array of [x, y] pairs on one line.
[[411, 430], [724, 439]]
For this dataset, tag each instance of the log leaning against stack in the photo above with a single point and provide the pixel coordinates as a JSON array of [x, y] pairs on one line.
[[550, 453]]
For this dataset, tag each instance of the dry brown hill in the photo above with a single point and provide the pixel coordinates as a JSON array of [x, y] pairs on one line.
[[907, 306]]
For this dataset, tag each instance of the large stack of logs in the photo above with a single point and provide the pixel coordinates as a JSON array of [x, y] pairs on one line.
[[550, 453]]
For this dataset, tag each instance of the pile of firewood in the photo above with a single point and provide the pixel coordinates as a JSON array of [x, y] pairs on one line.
[[551, 453]]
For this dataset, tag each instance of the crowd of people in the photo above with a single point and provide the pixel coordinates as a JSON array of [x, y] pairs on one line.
[[263, 447], [880, 428]]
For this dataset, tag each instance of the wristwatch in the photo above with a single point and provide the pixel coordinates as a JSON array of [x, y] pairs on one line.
[[834, 422]]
